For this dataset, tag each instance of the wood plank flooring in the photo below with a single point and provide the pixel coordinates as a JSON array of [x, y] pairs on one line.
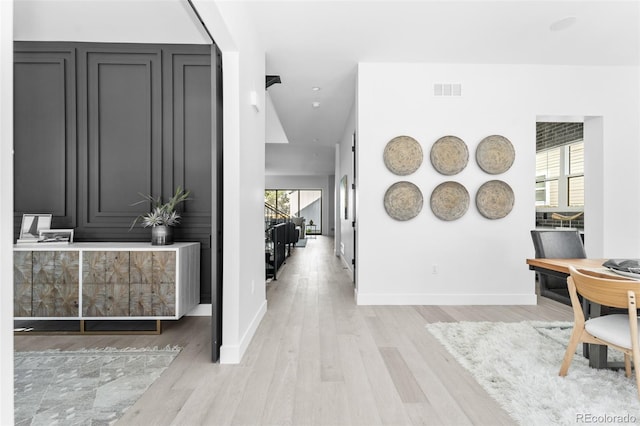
[[317, 359]]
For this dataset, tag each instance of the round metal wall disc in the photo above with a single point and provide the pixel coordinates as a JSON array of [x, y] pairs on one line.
[[495, 199], [495, 154], [403, 155], [449, 155], [403, 200], [449, 201]]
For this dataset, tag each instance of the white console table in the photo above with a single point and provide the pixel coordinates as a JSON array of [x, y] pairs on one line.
[[105, 281]]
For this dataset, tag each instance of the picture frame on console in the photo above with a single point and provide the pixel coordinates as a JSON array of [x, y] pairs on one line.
[[56, 236], [31, 226]]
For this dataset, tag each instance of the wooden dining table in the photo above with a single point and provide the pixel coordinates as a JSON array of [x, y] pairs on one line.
[[597, 354], [561, 266]]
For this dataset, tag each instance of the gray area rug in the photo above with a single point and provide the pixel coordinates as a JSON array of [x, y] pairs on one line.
[[301, 242], [86, 387], [518, 365]]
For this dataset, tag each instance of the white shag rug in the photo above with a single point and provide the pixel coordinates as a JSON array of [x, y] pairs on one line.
[[84, 387], [518, 365]]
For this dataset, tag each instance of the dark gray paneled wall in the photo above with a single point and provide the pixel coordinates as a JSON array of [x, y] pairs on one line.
[[97, 124], [45, 134], [549, 135], [120, 134]]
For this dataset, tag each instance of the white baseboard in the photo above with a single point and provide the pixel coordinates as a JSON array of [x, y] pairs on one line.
[[445, 299], [232, 354], [201, 310]]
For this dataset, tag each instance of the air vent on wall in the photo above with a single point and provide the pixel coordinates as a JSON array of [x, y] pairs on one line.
[[447, 89]]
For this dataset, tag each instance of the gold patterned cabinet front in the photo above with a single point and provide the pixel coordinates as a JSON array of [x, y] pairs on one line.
[[105, 284], [22, 283], [136, 283], [93, 279], [153, 283], [117, 283], [164, 267], [141, 280], [43, 279], [46, 283], [67, 283], [163, 293]]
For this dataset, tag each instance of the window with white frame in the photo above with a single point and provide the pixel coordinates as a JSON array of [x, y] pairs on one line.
[[560, 177]]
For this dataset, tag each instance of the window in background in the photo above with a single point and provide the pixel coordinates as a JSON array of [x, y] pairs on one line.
[[279, 200], [311, 209], [560, 177], [576, 175], [547, 175], [305, 203], [294, 202]]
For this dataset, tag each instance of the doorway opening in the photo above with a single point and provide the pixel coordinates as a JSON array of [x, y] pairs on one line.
[[560, 175]]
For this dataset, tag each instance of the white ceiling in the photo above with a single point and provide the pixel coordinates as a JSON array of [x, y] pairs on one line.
[[319, 43], [312, 43], [113, 21]]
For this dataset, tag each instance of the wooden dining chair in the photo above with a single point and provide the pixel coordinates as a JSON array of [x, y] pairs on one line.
[[617, 331]]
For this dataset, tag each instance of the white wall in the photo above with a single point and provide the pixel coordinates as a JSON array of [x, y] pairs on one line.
[[324, 183], [481, 261], [243, 68], [6, 213]]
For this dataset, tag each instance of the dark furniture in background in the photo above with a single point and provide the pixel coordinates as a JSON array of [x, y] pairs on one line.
[[293, 235], [556, 244], [275, 250], [281, 238]]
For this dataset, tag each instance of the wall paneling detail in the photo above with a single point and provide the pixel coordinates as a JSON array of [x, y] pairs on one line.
[[98, 124], [45, 133]]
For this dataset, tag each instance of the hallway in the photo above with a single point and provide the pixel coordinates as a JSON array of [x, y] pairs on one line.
[[317, 359]]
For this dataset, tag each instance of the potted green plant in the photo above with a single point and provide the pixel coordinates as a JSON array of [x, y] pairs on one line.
[[162, 217]]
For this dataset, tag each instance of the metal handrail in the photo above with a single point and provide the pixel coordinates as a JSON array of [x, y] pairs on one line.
[[272, 214]]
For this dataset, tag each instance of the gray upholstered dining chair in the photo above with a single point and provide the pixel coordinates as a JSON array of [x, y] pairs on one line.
[[556, 244], [617, 331]]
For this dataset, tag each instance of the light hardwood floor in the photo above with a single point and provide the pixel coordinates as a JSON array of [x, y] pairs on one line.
[[317, 359]]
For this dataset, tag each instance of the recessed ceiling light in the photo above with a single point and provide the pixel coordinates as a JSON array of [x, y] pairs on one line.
[[563, 24], [315, 88], [316, 104]]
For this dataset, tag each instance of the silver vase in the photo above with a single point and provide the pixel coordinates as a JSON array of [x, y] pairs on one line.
[[161, 235]]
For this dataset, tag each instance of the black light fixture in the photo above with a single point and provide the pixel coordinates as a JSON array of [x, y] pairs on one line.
[[272, 79]]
